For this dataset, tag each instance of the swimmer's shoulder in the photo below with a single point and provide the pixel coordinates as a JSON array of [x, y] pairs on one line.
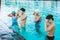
[[53, 25], [40, 17]]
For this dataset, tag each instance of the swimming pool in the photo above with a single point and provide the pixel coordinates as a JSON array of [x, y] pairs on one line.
[[45, 8]]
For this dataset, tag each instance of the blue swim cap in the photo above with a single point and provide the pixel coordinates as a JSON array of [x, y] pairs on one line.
[[13, 12]]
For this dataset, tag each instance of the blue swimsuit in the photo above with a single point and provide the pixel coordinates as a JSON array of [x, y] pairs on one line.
[[37, 24], [14, 20], [15, 24]]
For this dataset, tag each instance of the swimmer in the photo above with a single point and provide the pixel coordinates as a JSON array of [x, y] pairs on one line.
[[37, 19], [50, 27], [22, 17], [14, 18]]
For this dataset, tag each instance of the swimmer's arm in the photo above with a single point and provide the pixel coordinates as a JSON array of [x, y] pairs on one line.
[[34, 19], [17, 15], [24, 18], [10, 15], [49, 28], [39, 18], [45, 25]]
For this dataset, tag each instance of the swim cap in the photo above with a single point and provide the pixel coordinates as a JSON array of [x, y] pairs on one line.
[[37, 11], [13, 12]]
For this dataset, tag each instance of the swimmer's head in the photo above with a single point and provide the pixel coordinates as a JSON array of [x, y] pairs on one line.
[[50, 18], [22, 10], [36, 12], [13, 13]]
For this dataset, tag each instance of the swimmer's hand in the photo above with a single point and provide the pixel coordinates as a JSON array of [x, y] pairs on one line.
[[46, 20], [37, 19], [10, 15], [17, 15], [45, 24]]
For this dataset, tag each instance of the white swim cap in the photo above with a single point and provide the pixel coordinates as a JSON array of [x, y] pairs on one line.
[[37, 11]]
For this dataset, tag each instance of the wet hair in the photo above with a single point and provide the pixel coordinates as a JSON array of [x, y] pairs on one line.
[[22, 9], [50, 16], [13, 13]]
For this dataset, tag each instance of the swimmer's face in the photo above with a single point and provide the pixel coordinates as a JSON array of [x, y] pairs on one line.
[[21, 12], [35, 13], [49, 20]]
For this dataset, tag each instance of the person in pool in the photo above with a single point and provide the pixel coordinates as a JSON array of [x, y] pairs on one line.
[[14, 21], [22, 17], [50, 27], [37, 20], [14, 18]]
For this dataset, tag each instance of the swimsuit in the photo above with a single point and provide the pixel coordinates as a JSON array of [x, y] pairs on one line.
[[37, 24], [15, 25], [14, 21], [50, 38]]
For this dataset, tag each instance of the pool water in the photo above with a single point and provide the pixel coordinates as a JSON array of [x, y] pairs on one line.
[[45, 8]]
